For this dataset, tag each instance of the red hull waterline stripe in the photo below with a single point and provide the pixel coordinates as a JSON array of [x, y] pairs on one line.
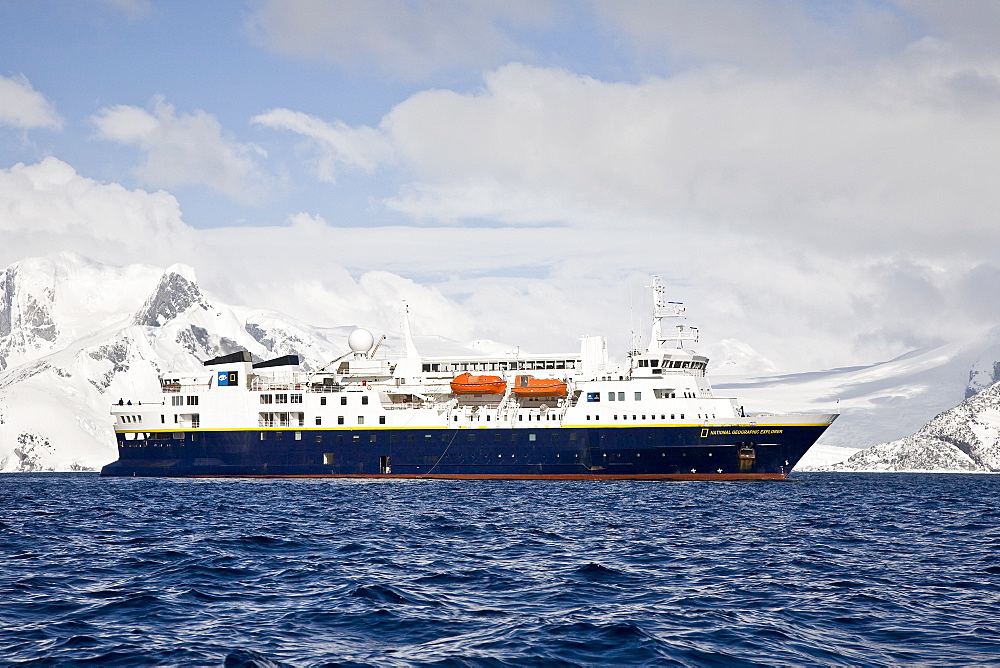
[[527, 476]]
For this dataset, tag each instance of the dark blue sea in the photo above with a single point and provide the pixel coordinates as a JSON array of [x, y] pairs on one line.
[[822, 569]]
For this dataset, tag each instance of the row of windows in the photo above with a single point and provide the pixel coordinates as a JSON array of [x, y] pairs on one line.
[[281, 398], [663, 416], [512, 365], [343, 400], [341, 420], [470, 436], [673, 364], [192, 400]]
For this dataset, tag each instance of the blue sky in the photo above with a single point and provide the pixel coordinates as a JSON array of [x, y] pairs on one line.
[[816, 179]]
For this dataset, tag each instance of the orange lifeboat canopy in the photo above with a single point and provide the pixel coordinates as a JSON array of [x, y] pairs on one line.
[[466, 383], [529, 386]]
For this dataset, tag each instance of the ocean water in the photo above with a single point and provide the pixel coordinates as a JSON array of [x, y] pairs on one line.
[[822, 569]]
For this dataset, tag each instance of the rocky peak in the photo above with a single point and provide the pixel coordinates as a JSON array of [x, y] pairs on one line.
[[26, 320], [176, 292]]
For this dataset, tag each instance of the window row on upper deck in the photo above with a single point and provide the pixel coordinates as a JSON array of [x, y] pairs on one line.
[[672, 364], [510, 365]]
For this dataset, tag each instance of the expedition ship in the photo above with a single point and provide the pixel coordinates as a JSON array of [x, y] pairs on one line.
[[551, 416]]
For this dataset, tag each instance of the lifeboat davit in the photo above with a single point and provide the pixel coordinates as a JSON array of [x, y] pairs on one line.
[[466, 383], [529, 386]]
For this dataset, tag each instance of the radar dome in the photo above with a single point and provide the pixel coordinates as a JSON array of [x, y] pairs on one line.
[[361, 340]]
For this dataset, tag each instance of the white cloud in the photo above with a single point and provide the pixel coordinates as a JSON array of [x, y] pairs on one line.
[[402, 38], [21, 106], [336, 144], [186, 149], [757, 33], [900, 155]]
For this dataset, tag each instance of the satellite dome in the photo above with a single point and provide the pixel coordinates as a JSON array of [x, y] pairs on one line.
[[361, 340]]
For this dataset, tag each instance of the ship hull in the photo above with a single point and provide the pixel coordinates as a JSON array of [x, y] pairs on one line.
[[690, 452]]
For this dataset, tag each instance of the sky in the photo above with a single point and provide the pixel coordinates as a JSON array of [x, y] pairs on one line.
[[817, 181]]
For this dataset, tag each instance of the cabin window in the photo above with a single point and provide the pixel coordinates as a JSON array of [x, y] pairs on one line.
[[621, 396], [673, 417], [381, 419], [319, 438], [195, 420], [343, 401], [531, 437], [371, 438], [192, 401], [361, 419], [163, 419], [682, 416], [340, 419], [296, 398], [364, 401], [266, 399], [328, 459], [298, 436], [322, 401], [263, 435], [588, 418], [638, 396], [456, 419], [319, 420], [281, 398], [611, 396], [176, 401]]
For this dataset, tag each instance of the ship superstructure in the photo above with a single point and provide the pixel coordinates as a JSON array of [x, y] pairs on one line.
[[512, 416]]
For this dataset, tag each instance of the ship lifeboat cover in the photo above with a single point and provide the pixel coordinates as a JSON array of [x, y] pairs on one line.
[[529, 386], [466, 383]]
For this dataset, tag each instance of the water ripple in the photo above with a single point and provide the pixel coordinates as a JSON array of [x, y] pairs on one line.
[[822, 569]]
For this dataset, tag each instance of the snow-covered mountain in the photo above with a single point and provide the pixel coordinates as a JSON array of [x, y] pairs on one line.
[[964, 438], [878, 403], [75, 336]]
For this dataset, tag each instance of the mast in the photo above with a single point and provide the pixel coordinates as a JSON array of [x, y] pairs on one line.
[[658, 338]]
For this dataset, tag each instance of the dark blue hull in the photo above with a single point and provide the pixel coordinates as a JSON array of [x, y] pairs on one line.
[[684, 452]]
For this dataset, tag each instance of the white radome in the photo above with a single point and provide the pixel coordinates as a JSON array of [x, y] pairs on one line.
[[361, 340]]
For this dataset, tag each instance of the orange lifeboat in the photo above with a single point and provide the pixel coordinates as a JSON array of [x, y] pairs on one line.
[[529, 386], [466, 383]]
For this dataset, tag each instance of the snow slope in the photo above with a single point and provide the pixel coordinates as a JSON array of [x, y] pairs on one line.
[[878, 403]]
